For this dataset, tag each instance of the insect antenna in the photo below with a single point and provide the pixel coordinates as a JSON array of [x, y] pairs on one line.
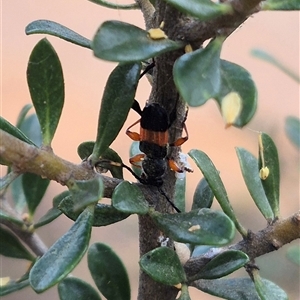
[[167, 198]]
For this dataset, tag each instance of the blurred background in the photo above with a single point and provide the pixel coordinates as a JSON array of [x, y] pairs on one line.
[[85, 78]]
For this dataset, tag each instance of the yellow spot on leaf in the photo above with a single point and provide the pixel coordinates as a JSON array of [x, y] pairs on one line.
[[178, 286], [4, 281], [231, 108], [194, 228], [188, 48], [157, 34], [264, 173]]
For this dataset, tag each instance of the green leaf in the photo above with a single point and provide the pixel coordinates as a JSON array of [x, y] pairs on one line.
[[268, 290], [128, 198], [108, 272], [115, 5], [268, 157], [34, 187], [104, 214], [163, 265], [200, 227], [235, 80], [14, 131], [86, 192], [56, 29], [85, 149], [201, 9], [123, 42], [18, 194], [229, 288], [259, 53], [63, 256], [46, 86], [292, 129], [293, 254], [22, 114], [281, 5], [212, 176], [53, 212], [197, 74], [179, 196], [7, 217], [73, 288], [222, 265], [203, 196], [12, 287], [32, 129], [249, 168], [116, 103], [10, 246], [184, 294], [6, 180]]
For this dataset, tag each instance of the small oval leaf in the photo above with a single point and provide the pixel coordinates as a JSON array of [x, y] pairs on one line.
[[46, 86], [14, 131], [281, 5], [10, 246], [213, 178], [86, 192], [249, 168], [203, 196], [179, 196], [184, 294], [34, 187], [108, 272], [18, 196], [236, 80], [128, 198], [7, 217], [73, 288], [229, 288], [63, 256], [223, 264], [31, 128], [22, 114], [53, 212], [116, 5], [104, 214], [197, 74], [200, 227], [13, 286], [203, 10], [123, 42], [85, 149], [293, 254], [56, 29], [163, 265], [268, 157], [116, 103], [268, 290], [292, 129]]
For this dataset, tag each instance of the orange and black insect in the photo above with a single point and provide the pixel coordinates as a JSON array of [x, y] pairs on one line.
[[154, 142]]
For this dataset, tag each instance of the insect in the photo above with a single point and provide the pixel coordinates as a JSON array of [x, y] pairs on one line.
[[154, 137], [154, 144]]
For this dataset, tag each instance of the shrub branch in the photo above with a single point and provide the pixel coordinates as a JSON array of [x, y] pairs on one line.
[[257, 244]]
